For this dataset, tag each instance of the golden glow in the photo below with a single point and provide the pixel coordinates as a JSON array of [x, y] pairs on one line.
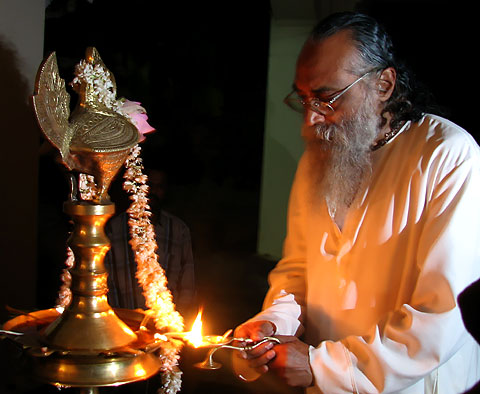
[[139, 371], [100, 315], [227, 334], [160, 337], [194, 336], [126, 329]]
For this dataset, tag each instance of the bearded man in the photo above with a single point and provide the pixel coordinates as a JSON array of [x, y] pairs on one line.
[[383, 230]]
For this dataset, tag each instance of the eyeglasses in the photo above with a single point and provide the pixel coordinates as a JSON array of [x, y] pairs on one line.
[[315, 104]]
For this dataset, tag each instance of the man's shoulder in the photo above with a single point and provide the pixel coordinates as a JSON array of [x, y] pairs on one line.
[[434, 136], [437, 129]]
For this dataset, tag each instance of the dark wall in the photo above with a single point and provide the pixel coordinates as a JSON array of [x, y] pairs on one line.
[[200, 71], [438, 40], [18, 169]]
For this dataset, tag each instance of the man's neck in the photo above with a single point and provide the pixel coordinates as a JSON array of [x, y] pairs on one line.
[[385, 134]]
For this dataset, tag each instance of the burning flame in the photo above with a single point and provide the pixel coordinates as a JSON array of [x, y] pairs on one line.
[[194, 336]]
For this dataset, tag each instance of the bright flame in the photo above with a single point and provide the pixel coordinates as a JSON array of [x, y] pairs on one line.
[[159, 337], [194, 336]]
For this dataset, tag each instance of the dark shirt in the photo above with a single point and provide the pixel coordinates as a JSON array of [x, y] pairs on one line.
[[174, 255]]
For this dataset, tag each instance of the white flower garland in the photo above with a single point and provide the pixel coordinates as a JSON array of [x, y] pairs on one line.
[[100, 79], [65, 294], [150, 274], [87, 187]]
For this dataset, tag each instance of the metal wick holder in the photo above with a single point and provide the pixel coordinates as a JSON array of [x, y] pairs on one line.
[[208, 363]]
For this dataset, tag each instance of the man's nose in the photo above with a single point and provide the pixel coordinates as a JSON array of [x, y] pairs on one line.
[[312, 117]]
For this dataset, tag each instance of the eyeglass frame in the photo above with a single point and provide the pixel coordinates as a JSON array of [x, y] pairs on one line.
[[326, 104]]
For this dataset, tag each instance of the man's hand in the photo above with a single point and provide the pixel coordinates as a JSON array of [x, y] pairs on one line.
[[255, 330], [289, 360], [292, 362], [260, 355]]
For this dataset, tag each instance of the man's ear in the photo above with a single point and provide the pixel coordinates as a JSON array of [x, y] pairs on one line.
[[386, 83]]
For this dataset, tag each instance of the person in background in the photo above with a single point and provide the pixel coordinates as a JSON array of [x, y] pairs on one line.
[[383, 229], [174, 253]]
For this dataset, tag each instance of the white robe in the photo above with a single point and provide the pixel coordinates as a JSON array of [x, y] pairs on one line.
[[378, 299]]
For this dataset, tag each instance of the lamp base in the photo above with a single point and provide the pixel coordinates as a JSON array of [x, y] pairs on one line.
[[64, 368]]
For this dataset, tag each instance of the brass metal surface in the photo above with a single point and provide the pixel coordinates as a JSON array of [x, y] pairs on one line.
[[94, 139], [94, 371], [89, 344], [89, 323], [86, 369]]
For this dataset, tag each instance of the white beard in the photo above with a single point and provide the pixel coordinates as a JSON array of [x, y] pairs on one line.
[[342, 156]]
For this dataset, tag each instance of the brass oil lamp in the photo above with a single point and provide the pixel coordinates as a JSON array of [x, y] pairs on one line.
[[88, 344]]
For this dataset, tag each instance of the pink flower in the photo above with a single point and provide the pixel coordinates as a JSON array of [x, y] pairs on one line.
[[138, 116]]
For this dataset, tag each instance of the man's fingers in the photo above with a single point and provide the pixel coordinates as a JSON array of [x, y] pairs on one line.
[[286, 338], [260, 350], [255, 352], [255, 330], [263, 369], [259, 362]]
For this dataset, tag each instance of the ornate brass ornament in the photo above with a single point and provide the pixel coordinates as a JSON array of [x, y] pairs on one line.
[[94, 139]]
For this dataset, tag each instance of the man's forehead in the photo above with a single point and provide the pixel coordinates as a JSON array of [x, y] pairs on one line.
[[327, 62]]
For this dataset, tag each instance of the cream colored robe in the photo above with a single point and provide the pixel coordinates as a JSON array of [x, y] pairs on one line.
[[378, 299]]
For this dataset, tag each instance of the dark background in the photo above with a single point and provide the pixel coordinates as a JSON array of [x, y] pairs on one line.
[[437, 39], [200, 70]]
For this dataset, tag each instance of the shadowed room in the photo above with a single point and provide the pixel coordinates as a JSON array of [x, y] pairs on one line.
[[212, 77]]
